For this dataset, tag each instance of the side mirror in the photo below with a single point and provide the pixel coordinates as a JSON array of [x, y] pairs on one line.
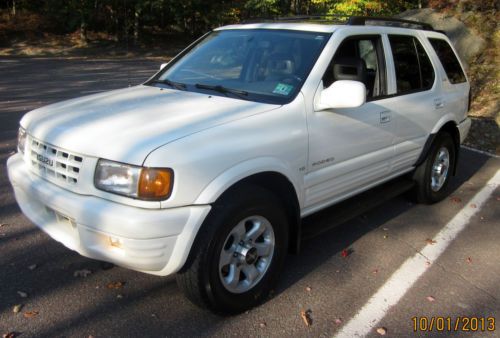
[[342, 94], [163, 65]]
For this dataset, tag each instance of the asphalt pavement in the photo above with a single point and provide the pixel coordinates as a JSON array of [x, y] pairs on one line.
[[335, 278]]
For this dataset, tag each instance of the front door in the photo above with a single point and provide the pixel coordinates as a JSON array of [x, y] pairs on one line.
[[350, 149]]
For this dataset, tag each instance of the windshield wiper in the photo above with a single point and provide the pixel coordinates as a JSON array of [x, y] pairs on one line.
[[221, 89], [173, 84]]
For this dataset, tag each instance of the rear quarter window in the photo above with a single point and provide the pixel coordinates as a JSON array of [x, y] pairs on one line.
[[449, 60]]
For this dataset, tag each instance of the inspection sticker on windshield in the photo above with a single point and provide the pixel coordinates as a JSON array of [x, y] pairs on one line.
[[283, 89]]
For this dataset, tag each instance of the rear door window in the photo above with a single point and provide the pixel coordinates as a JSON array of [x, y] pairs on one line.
[[414, 71], [449, 61]]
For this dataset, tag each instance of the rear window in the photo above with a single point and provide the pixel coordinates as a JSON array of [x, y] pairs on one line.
[[414, 71], [449, 60]]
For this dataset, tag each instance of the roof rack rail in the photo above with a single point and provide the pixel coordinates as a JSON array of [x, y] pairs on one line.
[[323, 18], [348, 20], [390, 22]]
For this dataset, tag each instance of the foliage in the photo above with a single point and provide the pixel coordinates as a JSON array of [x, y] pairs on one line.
[[131, 18]]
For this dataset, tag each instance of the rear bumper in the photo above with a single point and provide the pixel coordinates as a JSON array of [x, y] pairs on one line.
[[155, 241], [463, 129]]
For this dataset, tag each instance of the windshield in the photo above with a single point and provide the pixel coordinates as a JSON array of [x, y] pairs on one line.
[[260, 64]]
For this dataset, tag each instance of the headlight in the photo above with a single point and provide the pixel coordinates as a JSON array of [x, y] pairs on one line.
[[21, 139], [133, 181]]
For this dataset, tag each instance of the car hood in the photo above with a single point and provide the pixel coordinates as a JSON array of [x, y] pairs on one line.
[[127, 124]]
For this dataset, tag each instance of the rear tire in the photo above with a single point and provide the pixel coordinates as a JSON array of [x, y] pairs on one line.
[[433, 175], [239, 252]]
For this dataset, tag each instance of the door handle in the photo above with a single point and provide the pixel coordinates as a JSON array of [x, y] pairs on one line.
[[385, 116]]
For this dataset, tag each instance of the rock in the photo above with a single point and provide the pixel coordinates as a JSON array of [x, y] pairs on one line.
[[468, 44]]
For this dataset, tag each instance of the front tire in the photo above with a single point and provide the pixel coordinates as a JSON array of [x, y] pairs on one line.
[[433, 175], [239, 252]]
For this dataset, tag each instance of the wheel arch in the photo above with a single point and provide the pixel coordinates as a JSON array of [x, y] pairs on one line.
[[272, 179], [279, 185], [449, 127]]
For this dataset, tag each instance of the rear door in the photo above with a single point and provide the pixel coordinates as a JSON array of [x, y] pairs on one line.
[[417, 91]]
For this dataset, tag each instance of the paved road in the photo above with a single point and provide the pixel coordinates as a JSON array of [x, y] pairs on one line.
[[463, 281]]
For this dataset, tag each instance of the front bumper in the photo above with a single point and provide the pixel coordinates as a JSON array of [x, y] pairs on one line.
[[155, 241]]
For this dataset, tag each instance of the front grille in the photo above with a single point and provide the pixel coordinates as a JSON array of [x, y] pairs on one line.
[[53, 162]]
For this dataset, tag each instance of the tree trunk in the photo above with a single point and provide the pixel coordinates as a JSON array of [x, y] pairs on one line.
[[137, 22], [83, 29]]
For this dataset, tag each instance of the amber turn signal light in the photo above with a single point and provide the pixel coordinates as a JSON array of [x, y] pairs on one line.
[[155, 183]]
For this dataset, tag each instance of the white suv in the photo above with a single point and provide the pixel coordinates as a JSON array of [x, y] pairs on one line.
[[207, 169]]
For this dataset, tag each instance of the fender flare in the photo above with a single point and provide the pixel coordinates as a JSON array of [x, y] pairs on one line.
[[242, 170], [448, 118]]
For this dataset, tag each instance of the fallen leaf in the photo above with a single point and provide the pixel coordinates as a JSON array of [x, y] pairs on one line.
[[473, 205], [17, 308], [82, 273], [430, 241], [308, 288], [30, 314], [468, 260], [430, 298], [456, 200], [382, 331], [263, 324], [338, 321], [385, 236], [22, 294], [375, 271], [115, 285], [32, 267], [9, 335], [306, 317], [345, 252]]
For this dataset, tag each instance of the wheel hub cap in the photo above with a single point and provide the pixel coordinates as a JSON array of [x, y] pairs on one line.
[[251, 256], [247, 254], [440, 169]]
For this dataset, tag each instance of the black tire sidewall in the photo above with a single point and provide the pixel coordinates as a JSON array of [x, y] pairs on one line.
[[429, 195]]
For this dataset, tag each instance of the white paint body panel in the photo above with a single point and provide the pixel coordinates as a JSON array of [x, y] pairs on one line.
[[212, 142], [125, 125]]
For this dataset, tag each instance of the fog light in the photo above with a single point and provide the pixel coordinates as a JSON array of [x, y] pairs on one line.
[[115, 242]]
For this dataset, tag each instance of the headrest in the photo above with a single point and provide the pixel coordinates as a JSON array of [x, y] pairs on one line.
[[349, 69], [281, 63]]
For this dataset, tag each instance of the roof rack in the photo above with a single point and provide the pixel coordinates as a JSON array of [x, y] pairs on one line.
[[349, 20], [322, 18], [390, 22]]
